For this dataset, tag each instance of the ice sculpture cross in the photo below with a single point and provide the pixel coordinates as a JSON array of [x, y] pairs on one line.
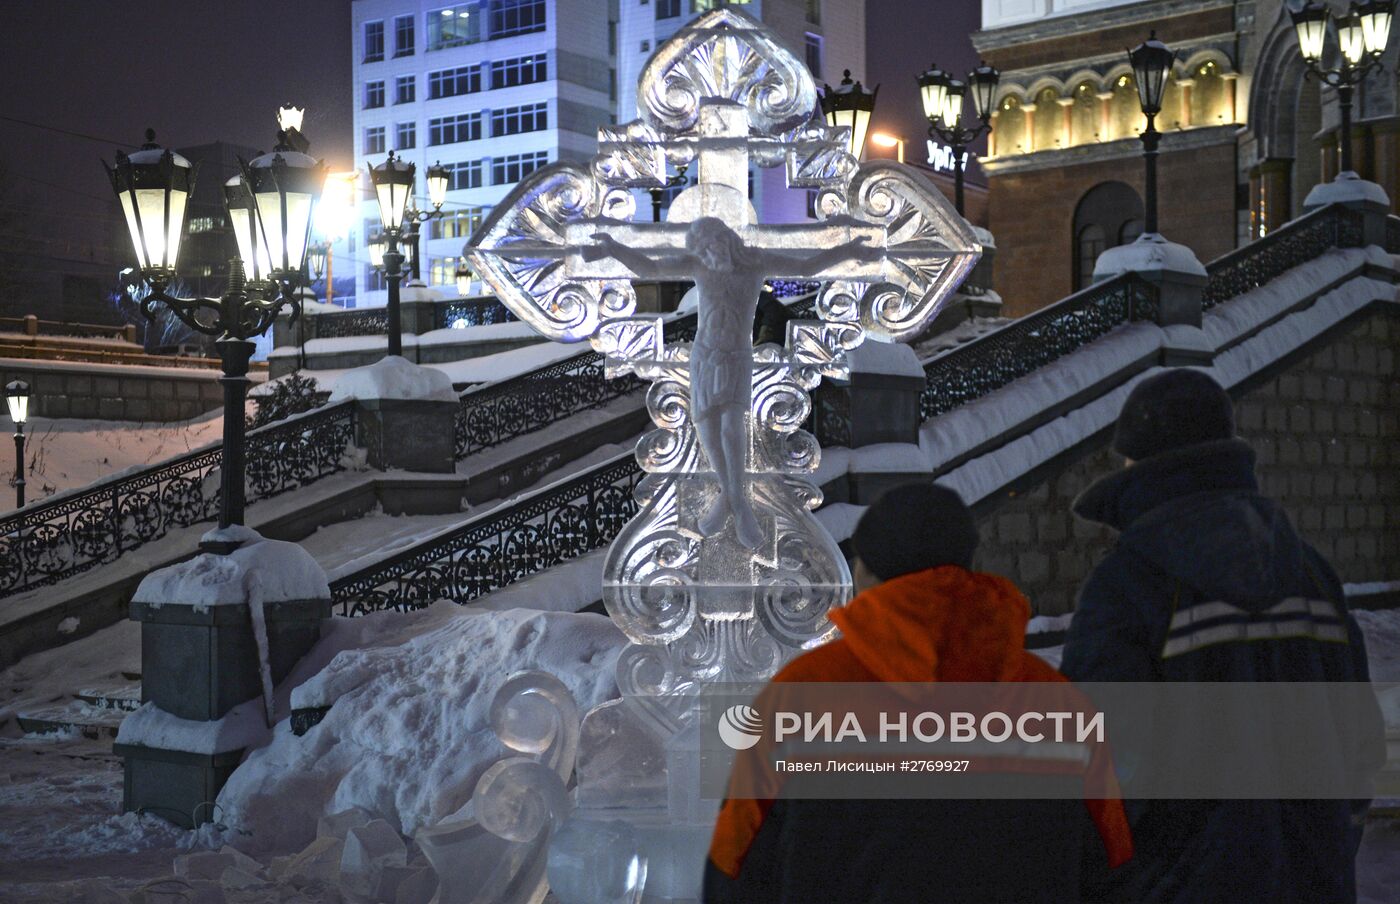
[[724, 571]]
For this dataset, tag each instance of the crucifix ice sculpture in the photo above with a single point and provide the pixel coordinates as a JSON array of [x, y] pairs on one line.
[[724, 572]]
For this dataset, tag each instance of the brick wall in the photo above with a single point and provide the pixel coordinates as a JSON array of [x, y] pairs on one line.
[[1326, 433], [1032, 216], [112, 394]]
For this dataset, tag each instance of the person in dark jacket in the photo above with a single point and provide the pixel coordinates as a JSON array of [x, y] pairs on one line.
[[1204, 584], [920, 615]]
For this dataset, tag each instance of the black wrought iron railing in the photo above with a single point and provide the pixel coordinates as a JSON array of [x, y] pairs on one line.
[[552, 525], [455, 313], [1028, 344], [1392, 234], [354, 322], [68, 534], [1303, 239], [464, 312]]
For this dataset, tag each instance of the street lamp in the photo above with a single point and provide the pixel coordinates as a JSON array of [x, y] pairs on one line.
[[271, 214], [658, 192], [375, 244], [1361, 37], [464, 280], [849, 105], [393, 186], [1151, 61], [943, 97], [17, 398]]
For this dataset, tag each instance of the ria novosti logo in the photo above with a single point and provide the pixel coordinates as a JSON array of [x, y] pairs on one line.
[[740, 726]]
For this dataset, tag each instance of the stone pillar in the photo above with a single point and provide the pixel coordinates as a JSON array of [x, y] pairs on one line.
[[1368, 198], [878, 405], [1180, 280], [406, 415], [204, 626]]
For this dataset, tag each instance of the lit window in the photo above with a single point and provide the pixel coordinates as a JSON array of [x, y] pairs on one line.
[[204, 224], [454, 26], [457, 224], [374, 95]]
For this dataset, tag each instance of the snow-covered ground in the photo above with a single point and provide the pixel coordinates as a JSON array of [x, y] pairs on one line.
[[63, 453]]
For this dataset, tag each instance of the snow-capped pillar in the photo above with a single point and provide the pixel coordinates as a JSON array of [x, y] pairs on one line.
[[406, 415], [218, 634], [1180, 280], [418, 310], [1354, 192]]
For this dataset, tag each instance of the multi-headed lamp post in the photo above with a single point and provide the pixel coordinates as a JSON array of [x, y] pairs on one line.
[[17, 398], [942, 97], [393, 188], [1361, 37], [851, 106], [413, 217], [270, 207], [1151, 61]]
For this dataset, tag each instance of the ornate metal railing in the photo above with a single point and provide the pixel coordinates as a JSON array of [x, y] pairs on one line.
[[355, 322], [555, 524], [1304, 239], [69, 534], [1028, 344], [464, 312]]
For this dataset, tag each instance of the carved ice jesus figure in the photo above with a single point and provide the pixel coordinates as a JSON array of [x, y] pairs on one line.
[[729, 276]]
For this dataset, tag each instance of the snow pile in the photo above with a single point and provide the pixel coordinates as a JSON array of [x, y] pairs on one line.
[[260, 571], [394, 377], [409, 732], [241, 727], [1348, 187], [1150, 253]]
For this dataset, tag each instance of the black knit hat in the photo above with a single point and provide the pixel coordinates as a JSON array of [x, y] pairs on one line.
[[913, 527], [1180, 407]]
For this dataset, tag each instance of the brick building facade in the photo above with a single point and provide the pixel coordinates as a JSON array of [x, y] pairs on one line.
[[1327, 432], [1245, 134]]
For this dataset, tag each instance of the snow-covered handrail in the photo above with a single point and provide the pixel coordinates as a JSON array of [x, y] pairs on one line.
[[1303, 239], [64, 535]]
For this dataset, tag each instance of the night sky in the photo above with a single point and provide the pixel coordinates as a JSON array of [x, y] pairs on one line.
[[203, 70]]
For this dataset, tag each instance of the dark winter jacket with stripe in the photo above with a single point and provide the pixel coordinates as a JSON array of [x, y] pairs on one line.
[[1209, 581]]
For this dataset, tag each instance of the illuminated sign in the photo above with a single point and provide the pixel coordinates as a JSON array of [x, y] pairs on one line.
[[940, 157]]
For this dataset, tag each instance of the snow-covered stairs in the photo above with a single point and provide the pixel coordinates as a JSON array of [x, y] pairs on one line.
[[95, 712]]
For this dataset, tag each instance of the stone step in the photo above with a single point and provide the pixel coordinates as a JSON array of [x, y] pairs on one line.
[[78, 717], [126, 697]]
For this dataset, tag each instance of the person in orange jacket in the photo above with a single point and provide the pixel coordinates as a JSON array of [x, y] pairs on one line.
[[920, 614]]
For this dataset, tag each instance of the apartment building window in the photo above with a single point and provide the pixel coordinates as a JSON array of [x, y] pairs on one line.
[[405, 89], [456, 224], [204, 224], [452, 82], [525, 70], [668, 9], [375, 281], [374, 95], [452, 129], [514, 167], [701, 6], [442, 271], [454, 26], [516, 17], [405, 135], [814, 54], [514, 120], [374, 42], [464, 174], [814, 11], [374, 140], [403, 36]]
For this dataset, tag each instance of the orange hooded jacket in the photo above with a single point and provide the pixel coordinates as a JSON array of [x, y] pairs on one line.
[[945, 624]]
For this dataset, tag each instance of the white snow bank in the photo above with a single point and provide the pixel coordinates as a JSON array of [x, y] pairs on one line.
[[486, 332], [887, 358], [1151, 252], [394, 377], [1347, 187], [260, 571], [241, 727], [409, 733]]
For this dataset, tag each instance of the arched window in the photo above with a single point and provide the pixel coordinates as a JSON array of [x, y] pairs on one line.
[[1211, 96], [1125, 119], [1048, 120], [1009, 131], [1110, 213], [1085, 120]]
